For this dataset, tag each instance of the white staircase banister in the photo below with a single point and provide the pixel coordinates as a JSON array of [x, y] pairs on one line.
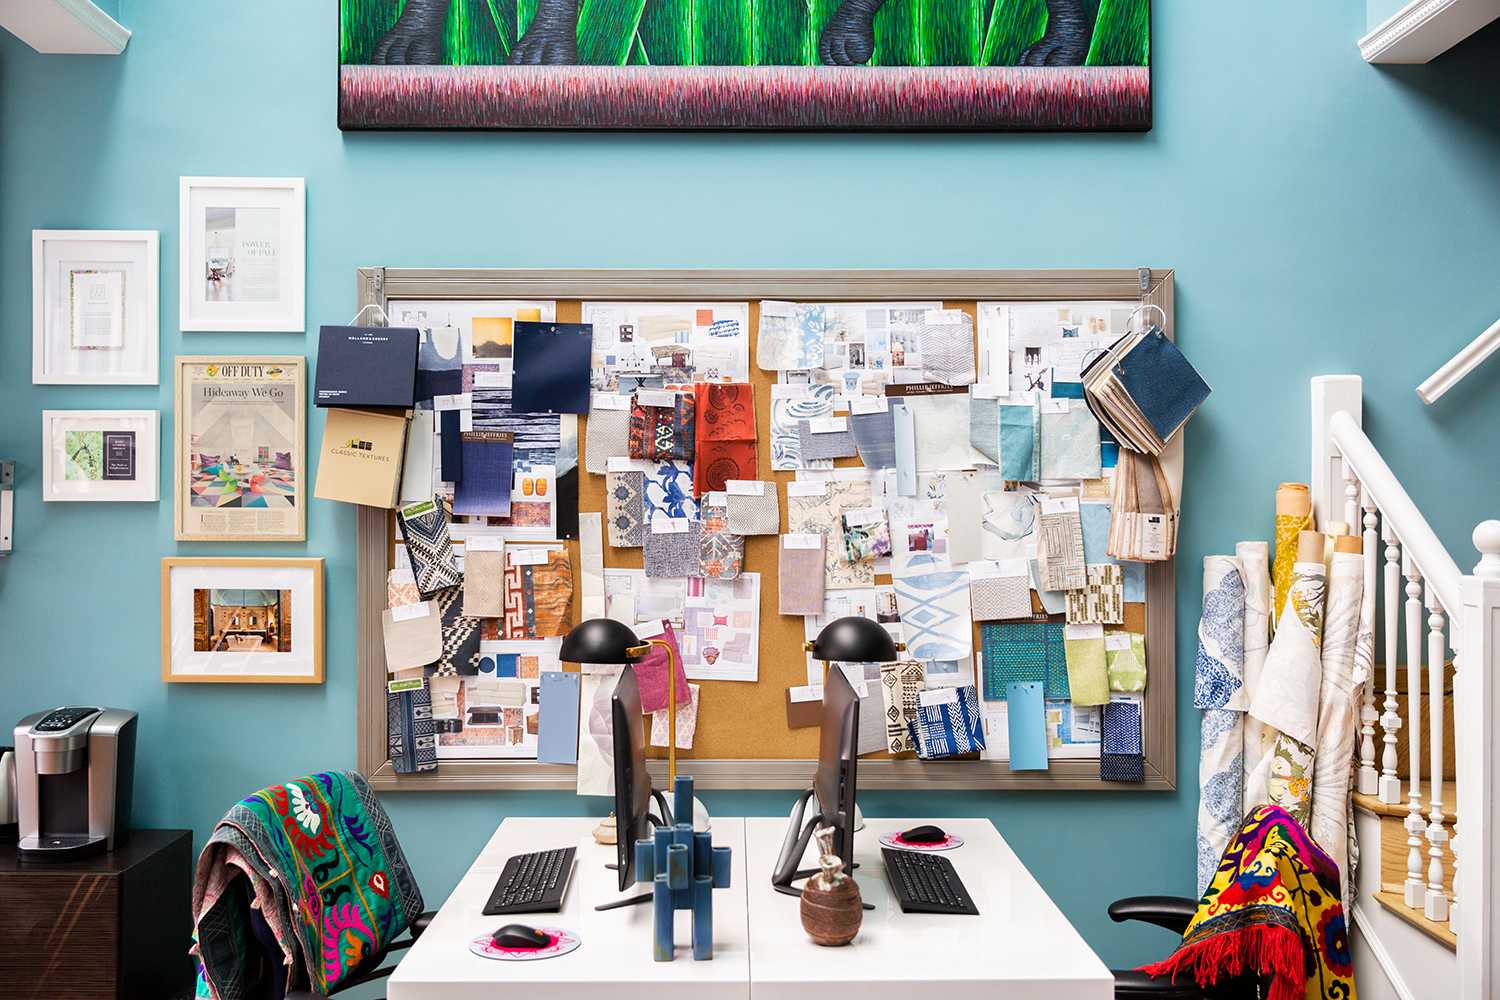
[[1417, 538], [1461, 364]]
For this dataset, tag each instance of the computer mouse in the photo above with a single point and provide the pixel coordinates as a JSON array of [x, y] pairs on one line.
[[924, 835], [518, 937]]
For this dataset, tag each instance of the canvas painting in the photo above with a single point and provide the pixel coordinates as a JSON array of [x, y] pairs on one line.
[[1075, 65]]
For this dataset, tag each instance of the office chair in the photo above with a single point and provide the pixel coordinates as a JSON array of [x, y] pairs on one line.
[[1173, 913]]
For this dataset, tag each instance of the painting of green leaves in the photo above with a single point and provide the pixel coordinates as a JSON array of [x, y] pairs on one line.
[[823, 64]]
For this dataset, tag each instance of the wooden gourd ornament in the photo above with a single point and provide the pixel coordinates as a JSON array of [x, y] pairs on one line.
[[832, 910]]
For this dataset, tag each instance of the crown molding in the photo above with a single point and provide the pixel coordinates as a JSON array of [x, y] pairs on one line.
[[64, 27], [1425, 29]]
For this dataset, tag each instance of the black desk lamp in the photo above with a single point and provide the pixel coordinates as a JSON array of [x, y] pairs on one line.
[[854, 640]]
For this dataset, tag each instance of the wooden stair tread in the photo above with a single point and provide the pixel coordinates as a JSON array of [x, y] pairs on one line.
[[1372, 804], [1392, 900]]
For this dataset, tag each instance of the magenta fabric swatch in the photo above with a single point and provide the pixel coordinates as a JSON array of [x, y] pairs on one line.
[[651, 673]]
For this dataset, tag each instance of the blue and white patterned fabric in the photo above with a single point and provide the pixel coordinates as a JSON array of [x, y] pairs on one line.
[[949, 728], [1219, 689], [934, 611], [1122, 750], [669, 493]]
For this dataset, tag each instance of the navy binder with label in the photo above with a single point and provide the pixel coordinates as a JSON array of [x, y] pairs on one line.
[[366, 366]]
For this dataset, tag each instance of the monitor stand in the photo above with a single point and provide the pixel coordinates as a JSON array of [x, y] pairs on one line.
[[645, 897], [798, 836]]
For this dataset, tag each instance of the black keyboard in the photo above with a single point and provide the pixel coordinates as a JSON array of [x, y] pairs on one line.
[[532, 883], [926, 883]]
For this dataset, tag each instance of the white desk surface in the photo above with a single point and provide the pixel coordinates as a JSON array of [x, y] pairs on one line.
[[614, 959], [1020, 947]]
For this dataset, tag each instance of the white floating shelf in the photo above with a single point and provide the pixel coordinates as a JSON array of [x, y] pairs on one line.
[[64, 27], [1425, 29]]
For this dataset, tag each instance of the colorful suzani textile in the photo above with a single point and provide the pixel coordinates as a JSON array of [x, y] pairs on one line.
[[326, 871], [1274, 910], [664, 433]]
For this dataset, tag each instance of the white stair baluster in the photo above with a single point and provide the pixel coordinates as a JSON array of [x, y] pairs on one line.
[[1390, 720], [1435, 903], [1369, 777], [1416, 827]]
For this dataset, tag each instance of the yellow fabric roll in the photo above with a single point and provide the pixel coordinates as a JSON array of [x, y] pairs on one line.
[[1293, 516]]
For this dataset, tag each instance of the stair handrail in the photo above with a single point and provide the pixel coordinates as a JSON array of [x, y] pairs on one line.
[[1420, 542], [1460, 365]]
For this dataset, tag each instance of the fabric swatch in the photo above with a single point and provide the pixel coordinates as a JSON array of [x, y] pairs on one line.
[[935, 615], [1094, 517], [551, 365], [1125, 655], [651, 671], [412, 640], [1020, 447], [1024, 652], [800, 589], [401, 589], [725, 436], [416, 460], [939, 420], [875, 438], [949, 727], [946, 343], [461, 635], [984, 426], [1101, 601], [484, 582], [687, 721], [1070, 440], [1121, 755], [1061, 548], [608, 437], [668, 493], [624, 507], [819, 514], [791, 336], [721, 551], [790, 405], [488, 461], [1338, 714], [424, 528], [754, 514], [905, 433], [1219, 690], [1000, 597], [664, 433], [1088, 670], [450, 446], [824, 445], [538, 598], [1254, 559], [673, 553], [866, 535], [411, 737], [900, 684], [439, 364], [963, 498]]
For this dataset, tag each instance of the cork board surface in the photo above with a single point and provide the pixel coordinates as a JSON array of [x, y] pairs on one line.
[[739, 720]]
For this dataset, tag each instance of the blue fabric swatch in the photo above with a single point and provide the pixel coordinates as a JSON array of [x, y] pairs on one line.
[[1162, 383], [484, 491], [1026, 719], [451, 455], [1020, 458], [875, 437]]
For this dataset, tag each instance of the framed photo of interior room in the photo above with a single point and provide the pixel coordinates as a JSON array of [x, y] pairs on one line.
[[242, 621], [744, 737], [1057, 65]]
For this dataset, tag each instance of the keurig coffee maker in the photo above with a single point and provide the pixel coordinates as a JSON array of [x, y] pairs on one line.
[[74, 770]]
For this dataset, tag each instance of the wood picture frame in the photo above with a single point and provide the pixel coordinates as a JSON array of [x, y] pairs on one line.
[[193, 638], [129, 310], [378, 286], [241, 268], [260, 481]]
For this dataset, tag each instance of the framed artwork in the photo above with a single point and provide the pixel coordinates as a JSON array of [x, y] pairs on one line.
[[101, 455], [243, 253], [242, 621], [240, 443], [94, 307], [1064, 65]]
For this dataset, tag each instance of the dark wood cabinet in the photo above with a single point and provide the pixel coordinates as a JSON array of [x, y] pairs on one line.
[[116, 926]]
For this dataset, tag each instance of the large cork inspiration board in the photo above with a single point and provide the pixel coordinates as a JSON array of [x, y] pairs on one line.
[[743, 738]]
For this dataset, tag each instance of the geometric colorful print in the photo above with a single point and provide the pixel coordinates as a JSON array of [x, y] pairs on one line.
[[664, 433], [424, 528], [539, 598], [243, 485], [1274, 906], [323, 848], [625, 505], [721, 552]]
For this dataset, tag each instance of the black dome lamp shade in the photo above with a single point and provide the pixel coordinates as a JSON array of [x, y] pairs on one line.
[[601, 640], [854, 640]]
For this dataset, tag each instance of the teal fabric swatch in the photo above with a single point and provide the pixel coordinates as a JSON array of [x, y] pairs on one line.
[[1017, 652], [984, 427], [1019, 452]]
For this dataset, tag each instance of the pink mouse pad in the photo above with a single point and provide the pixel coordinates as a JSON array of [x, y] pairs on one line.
[[894, 840], [561, 943]]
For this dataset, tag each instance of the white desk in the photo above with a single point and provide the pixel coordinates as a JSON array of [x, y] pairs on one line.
[[1020, 945], [614, 961]]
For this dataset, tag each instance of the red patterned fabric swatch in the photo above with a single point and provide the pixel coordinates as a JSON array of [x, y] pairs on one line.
[[663, 433], [725, 436]]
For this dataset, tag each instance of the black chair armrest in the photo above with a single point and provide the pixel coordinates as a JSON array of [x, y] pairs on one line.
[[1131, 984], [1172, 912], [303, 995], [420, 924]]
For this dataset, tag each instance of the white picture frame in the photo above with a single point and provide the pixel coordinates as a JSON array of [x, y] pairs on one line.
[[242, 254], [95, 306], [101, 455]]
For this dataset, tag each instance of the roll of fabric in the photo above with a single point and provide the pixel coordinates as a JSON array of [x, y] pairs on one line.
[[1338, 711], [1287, 696], [1293, 516], [1364, 673], [1219, 690], [1254, 563]]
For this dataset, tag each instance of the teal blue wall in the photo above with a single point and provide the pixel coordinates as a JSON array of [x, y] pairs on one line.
[[1322, 215]]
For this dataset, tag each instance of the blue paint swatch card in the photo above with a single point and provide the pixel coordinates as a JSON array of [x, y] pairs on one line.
[[557, 724], [1027, 718]]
